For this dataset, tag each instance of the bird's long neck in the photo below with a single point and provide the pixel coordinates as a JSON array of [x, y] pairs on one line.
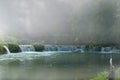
[[111, 62]]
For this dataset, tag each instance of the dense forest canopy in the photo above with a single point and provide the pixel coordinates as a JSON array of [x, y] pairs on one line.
[[62, 21]]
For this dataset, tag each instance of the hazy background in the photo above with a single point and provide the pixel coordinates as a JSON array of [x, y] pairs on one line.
[[61, 21]]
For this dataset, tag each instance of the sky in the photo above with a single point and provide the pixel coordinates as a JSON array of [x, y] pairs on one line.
[[45, 19]]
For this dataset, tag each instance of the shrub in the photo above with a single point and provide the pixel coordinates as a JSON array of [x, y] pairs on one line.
[[90, 46], [14, 48], [101, 76], [117, 74], [104, 75], [2, 50], [38, 47], [98, 45]]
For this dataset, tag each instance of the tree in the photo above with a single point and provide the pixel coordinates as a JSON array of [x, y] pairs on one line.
[[105, 21]]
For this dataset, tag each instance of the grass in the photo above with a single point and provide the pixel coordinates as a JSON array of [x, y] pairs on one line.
[[104, 75]]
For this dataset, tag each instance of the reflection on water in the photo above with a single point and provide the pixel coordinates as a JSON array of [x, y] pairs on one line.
[[49, 73], [47, 66]]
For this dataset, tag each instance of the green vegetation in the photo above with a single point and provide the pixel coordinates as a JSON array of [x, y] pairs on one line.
[[14, 48], [99, 45], [117, 74], [105, 18], [90, 46], [38, 47], [1, 49], [103, 75]]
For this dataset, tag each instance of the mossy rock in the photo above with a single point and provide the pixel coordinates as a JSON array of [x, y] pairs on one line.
[[2, 50], [38, 47], [14, 48]]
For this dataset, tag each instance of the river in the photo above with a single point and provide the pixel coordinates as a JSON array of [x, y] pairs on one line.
[[53, 65]]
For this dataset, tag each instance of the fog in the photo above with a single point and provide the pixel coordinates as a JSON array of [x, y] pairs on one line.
[[65, 21]]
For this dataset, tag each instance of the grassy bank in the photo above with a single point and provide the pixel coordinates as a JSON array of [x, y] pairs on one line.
[[104, 75]]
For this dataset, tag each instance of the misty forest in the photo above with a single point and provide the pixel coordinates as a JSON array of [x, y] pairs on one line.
[[61, 21], [59, 40]]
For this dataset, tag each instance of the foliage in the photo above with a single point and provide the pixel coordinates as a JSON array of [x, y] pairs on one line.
[[91, 45], [101, 76], [1, 49], [38, 47], [14, 48], [105, 19], [117, 74], [104, 75]]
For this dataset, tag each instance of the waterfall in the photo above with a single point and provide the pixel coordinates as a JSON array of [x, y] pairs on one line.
[[7, 50], [106, 49], [60, 48], [27, 48]]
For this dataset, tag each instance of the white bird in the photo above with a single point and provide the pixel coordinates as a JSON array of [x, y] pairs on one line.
[[111, 75]]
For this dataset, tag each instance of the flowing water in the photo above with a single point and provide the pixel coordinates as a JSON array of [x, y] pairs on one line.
[[53, 65], [26, 48], [7, 50]]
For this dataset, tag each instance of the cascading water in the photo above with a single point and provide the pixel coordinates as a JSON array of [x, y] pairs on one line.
[[106, 49], [50, 48], [60, 48], [27, 48], [7, 50]]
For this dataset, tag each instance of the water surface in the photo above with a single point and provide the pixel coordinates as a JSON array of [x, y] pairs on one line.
[[53, 66]]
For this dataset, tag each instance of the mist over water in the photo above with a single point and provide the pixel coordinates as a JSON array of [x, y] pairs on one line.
[[61, 20]]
